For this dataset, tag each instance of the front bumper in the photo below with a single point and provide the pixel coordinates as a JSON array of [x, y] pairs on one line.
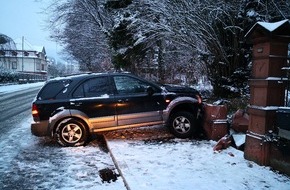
[[40, 128]]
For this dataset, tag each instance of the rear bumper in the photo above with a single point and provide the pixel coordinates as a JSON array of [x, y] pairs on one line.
[[40, 128]]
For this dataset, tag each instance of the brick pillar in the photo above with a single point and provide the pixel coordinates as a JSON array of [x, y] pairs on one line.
[[267, 94]]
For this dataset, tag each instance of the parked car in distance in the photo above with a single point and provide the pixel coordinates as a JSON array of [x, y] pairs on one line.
[[72, 108]]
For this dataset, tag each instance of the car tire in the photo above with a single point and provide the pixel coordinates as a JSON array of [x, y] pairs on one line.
[[71, 132], [182, 124]]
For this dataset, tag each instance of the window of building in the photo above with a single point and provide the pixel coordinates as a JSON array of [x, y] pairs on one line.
[[14, 65]]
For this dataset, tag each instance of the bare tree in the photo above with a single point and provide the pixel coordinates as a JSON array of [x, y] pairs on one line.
[[83, 26], [169, 39], [6, 43], [213, 30]]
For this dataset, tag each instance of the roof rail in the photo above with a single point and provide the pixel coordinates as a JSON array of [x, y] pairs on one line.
[[75, 74]]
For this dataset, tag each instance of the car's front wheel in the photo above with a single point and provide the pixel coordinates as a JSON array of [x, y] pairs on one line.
[[71, 132], [182, 124]]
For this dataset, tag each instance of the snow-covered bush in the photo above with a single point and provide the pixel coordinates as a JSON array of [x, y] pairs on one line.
[[7, 76]]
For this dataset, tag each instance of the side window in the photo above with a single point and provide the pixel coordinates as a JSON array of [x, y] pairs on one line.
[[128, 85], [96, 87]]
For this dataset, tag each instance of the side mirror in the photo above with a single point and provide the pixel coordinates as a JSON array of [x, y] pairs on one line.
[[150, 91]]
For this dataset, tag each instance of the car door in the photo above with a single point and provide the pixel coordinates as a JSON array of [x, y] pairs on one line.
[[95, 99], [134, 104]]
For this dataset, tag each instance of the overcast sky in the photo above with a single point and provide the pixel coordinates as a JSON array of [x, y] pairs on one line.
[[23, 18]]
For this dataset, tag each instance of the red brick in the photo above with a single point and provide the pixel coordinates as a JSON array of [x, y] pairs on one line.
[[240, 121]]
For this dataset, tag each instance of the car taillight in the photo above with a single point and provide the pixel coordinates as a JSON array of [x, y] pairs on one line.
[[34, 111]]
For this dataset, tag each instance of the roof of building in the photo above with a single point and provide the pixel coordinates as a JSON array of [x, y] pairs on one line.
[[23, 44]]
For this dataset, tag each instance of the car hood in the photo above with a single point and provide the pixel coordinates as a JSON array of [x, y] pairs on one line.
[[180, 89]]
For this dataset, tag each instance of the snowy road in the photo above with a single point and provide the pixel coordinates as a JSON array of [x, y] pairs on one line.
[[16, 102], [12, 103]]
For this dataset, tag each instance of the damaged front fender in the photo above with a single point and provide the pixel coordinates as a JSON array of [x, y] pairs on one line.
[[180, 103]]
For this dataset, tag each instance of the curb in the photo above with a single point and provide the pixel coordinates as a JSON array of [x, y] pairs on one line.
[[116, 164]]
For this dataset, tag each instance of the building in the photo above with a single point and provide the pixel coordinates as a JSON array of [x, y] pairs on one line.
[[27, 60]]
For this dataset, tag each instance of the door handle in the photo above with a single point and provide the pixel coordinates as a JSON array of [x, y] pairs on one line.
[[123, 101], [75, 103]]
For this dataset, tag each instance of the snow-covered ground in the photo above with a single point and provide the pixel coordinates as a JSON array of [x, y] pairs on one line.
[[31, 163], [149, 161], [148, 158]]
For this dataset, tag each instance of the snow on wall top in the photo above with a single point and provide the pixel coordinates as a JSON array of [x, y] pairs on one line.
[[270, 27]]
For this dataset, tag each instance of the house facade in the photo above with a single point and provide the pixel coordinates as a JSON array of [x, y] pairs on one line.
[[27, 60]]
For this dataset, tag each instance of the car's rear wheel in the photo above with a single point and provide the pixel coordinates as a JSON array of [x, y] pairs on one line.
[[183, 124], [71, 132]]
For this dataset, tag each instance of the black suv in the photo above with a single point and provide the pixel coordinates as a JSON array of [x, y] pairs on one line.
[[71, 108]]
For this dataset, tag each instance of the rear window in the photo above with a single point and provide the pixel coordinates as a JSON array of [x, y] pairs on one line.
[[52, 89]]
